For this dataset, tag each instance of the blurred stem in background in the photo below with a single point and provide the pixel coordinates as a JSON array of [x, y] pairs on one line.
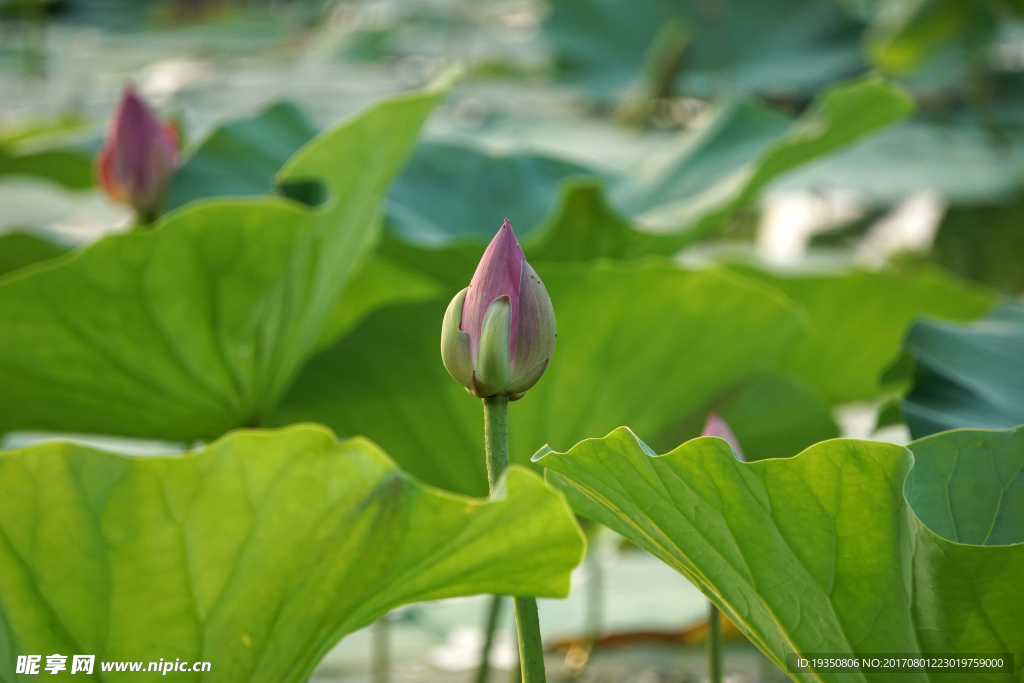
[[594, 615], [714, 644], [381, 650], [493, 617], [531, 650], [30, 18]]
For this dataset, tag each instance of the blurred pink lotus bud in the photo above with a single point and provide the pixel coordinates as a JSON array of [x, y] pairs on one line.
[[139, 157], [499, 333], [716, 426]]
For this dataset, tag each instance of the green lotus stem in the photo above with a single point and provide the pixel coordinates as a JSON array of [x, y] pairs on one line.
[[496, 437], [493, 614], [381, 650], [714, 645], [531, 650]]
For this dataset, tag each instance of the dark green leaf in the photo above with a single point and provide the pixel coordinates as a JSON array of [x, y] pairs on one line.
[[242, 157], [985, 244], [775, 47], [19, 249], [450, 193], [967, 375]]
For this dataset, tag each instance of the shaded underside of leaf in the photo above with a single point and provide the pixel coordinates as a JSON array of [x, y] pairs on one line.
[[781, 46], [240, 158], [451, 192], [257, 553], [967, 375], [816, 553]]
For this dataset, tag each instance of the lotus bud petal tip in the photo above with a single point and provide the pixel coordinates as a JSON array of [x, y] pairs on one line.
[[499, 333], [139, 156], [717, 426]]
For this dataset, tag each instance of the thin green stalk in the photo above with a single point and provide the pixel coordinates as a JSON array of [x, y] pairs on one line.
[[714, 645], [381, 650], [493, 614], [531, 650], [496, 437]]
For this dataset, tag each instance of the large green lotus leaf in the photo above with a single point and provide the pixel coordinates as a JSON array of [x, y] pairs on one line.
[[822, 552], [19, 249], [842, 115], [641, 342], [199, 325], [699, 183], [859, 319], [240, 158], [450, 193], [789, 47], [257, 553], [967, 375], [691, 190]]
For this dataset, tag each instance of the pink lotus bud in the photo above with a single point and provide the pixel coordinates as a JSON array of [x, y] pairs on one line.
[[716, 426], [139, 157], [499, 333]]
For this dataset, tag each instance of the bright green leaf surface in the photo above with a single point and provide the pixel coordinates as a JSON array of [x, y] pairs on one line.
[[967, 375], [859, 319], [821, 552], [967, 485], [19, 249], [199, 325], [240, 158], [641, 342], [257, 553]]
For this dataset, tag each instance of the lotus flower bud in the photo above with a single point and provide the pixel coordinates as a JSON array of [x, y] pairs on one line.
[[139, 157], [499, 333], [716, 426]]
